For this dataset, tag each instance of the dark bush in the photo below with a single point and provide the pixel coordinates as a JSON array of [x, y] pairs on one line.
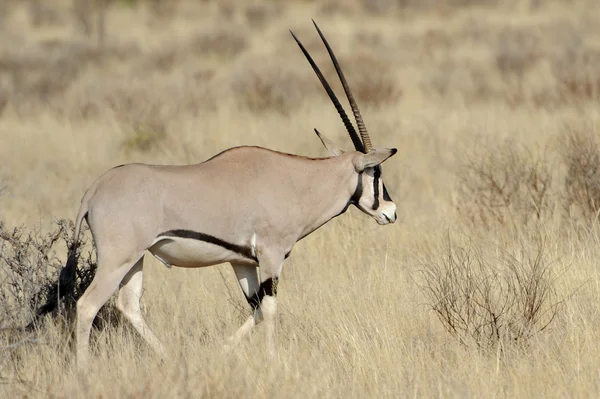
[[35, 281]]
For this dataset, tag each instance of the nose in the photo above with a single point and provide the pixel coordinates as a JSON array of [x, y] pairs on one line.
[[391, 218]]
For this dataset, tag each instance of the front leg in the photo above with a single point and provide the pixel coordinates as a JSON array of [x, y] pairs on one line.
[[269, 277], [248, 279], [261, 296]]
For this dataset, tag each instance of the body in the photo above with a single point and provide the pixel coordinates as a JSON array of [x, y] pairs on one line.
[[281, 213], [247, 206]]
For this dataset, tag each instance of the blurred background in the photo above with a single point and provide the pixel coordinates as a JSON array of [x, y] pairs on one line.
[[488, 285], [89, 84]]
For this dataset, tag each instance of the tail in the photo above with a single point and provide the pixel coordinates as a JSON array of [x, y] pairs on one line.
[[65, 287], [83, 211]]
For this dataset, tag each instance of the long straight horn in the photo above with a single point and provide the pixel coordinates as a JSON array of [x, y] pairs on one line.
[[358, 145], [359, 120]]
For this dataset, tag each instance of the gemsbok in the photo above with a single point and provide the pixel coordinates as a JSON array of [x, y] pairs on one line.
[[246, 205]]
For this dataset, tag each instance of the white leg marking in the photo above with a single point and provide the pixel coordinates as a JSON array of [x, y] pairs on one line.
[[270, 269], [248, 278], [269, 309], [128, 302]]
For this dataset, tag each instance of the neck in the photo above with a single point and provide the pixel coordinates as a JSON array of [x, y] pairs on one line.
[[335, 188]]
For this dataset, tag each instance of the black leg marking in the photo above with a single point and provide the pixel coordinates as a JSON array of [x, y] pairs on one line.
[[267, 287], [194, 235]]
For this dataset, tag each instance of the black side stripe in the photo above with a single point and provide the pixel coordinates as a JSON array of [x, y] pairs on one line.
[[376, 175], [194, 235], [267, 288]]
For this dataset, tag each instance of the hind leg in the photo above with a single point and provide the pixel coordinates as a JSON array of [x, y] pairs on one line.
[[103, 285], [128, 302]]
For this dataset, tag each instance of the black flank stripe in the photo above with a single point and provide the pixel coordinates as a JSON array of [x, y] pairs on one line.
[[377, 175], [194, 235]]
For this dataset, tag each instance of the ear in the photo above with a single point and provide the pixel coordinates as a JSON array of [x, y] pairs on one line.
[[373, 158], [331, 147]]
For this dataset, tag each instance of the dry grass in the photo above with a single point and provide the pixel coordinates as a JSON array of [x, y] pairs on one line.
[[503, 184], [177, 82]]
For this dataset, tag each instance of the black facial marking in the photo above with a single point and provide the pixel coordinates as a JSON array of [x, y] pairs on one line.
[[386, 196], [376, 177], [357, 192], [267, 288], [194, 235]]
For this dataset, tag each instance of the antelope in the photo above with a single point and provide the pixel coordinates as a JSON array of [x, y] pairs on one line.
[[247, 206]]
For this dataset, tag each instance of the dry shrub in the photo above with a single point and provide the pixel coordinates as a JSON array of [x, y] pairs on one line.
[[145, 135], [163, 8], [4, 96], [370, 77], [41, 74], [260, 14], [504, 185], [577, 72], [378, 7], [219, 40], [36, 282], [516, 52], [164, 59], [90, 16], [333, 7], [142, 112], [144, 118], [580, 151], [488, 300], [383, 7], [270, 88], [43, 15], [470, 82]]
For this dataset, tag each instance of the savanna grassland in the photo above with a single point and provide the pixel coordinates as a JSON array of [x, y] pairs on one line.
[[487, 286]]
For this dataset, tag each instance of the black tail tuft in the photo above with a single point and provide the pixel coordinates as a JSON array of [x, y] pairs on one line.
[[64, 290]]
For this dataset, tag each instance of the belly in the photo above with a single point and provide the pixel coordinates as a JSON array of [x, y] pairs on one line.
[[185, 252]]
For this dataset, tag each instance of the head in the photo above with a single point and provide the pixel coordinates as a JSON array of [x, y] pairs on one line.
[[371, 196]]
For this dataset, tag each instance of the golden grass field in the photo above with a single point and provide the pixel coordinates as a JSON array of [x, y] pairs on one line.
[[445, 82]]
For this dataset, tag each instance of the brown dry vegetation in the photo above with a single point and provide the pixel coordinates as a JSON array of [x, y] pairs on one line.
[[488, 285]]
